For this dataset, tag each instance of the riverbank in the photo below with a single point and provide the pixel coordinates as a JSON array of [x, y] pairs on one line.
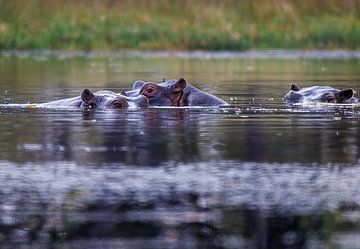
[[281, 54], [179, 25]]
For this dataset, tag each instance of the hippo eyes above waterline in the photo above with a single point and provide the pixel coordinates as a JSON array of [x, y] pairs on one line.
[[150, 91], [118, 104]]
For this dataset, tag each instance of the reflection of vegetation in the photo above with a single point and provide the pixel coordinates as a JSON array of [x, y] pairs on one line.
[[273, 230], [157, 24]]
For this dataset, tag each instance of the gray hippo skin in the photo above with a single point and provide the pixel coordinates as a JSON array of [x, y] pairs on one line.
[[173, 93], [101, 99], [88, 99], [325, 94]]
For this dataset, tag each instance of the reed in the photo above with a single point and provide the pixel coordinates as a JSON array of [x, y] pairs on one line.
[[179, 24]]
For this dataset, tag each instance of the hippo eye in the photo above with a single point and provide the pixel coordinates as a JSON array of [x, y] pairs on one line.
[[150, 91], [118, 104]]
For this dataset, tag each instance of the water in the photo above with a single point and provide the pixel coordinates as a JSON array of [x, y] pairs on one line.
[[259, 174]]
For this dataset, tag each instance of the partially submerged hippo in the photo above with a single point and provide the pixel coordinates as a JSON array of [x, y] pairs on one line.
[[88, 99], [324, 94], [173, 93]]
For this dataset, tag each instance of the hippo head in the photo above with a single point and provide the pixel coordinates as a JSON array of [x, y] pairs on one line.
[[319, 94], [108, 99], [167, 93], [293, 96]]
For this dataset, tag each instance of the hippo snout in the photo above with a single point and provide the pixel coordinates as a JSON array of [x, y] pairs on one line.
[[140, 101]]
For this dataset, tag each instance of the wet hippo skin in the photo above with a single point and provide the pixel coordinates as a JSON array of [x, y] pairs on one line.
[[101, 99], [325, 94], [173, 93]]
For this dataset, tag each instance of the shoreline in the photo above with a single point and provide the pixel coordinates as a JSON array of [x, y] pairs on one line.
[[185, 54]]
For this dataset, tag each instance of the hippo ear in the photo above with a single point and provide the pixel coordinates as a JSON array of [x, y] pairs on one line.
[[177, 96], [344, 94], [294, 87], [180, 84], [138, 84], [88, 97]]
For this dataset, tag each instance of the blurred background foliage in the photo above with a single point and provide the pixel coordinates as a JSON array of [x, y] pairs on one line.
[[179, 24]]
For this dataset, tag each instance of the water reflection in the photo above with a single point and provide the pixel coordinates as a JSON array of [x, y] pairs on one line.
[[161, 136], [226, 205]]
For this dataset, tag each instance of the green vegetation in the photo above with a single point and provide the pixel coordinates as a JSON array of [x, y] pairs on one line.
[[179, 24]]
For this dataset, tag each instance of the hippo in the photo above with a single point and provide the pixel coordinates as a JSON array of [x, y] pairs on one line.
[[173, 93], [325, 94], [102, 99]]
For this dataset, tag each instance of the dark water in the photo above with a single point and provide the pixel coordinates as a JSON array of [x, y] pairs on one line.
[[259, 174]]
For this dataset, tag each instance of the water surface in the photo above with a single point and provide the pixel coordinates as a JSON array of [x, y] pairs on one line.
[[259, 174]]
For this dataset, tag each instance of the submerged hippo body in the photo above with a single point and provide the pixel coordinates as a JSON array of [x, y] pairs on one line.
[[88, 99], [325, 94], [174, 93]]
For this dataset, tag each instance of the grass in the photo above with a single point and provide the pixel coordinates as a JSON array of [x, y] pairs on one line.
[[179, 24]]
